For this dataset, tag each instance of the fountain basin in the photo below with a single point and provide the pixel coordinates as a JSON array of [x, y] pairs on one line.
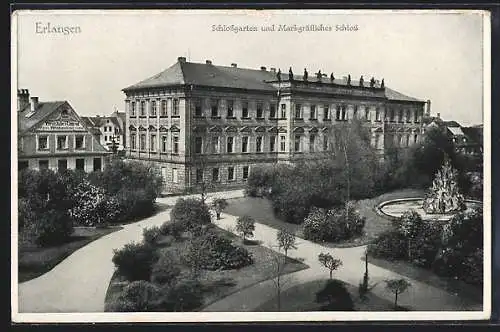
[[395, 208]]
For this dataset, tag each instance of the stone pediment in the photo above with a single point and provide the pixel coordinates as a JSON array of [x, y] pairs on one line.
[[174, 128], [260, 129]]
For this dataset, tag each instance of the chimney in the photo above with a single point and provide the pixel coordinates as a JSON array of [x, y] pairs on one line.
[[263, 68], [208, 62], [181, 59], [273, 69], [23, 99], [438, 115], [34, 103], [428, 110], [234, 65]]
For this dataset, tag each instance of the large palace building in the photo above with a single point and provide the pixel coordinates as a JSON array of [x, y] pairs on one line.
[[202, 123]]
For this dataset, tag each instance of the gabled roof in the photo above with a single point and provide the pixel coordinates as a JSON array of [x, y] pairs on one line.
[[43, 110], [451, 124], [202, 74], [456, 131]]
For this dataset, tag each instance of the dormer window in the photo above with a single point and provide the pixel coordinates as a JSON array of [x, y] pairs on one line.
[[64, 114]]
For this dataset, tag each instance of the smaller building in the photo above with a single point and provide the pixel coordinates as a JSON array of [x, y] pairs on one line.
[[51, 135], [108, 129]]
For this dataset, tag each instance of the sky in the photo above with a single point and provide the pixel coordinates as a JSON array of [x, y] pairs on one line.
[[422, 54]]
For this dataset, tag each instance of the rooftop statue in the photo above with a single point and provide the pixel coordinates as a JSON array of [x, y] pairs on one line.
[[290, 74], [382, 84], [372, 82], [332, 78], [349, 79], [361, 81], [319, 75], [305, 74]]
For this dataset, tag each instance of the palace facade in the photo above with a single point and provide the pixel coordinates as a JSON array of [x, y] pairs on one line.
[[201, 123]]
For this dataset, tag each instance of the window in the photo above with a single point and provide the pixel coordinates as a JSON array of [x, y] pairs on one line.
[[164, 143], [325, 142], [175, 175], [142, 143], [105, 138], [244, 144], [408, 116], [80, 164], [298, 111], [152, 143], [283, 111], [43, 142], [215, 109], [230, 109], [272, 143], [355, 113], [133, 141], [20, 146], [415, 116], [230, 142], [62, 165], [245, 172], [230, 173], [401, 116], [175, 107], [377, 141], [153, 108], [415, 138], [132, 109], [163, 110], [62, 142], [377, 114], [391, 115], [338, 115], [43, 164], [198, 142], [175, 144], [24, 164], [258, 144], [272, 112], [407, 140], [215, 144], [312, 114], [97, 164], [326, 113], [197, 108], [143, 108], [367, 113], [260, 112], [282, 143], [199, 175], [244, 109], [105, 128], [297, 143], [79, 142], [215, 174], [312, 142]]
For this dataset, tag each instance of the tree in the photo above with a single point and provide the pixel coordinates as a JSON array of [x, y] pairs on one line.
[[329, 262], [411, 225], [219, 204], [286, 240], [397, 287], [245, 225]]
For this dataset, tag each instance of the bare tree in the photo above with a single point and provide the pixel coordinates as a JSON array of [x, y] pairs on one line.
[[329, 262], [286, 241], [278, 271]]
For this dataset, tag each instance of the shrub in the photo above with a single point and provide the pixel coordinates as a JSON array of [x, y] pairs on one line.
[[51, 227], [391, 245], [186, 295], [173, 229], [426, 245], [213, 252], [333, 225], [335, 297], [133, 203], [135, 261], [151, 235], [245, 225], [187, 213], [259, 181], [138, 296], [166, 269]]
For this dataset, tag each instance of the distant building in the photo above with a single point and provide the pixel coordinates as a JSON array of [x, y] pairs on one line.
[[52, 135], [108, 129], [201, 123]]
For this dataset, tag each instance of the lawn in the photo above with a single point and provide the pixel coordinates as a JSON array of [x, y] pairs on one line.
[[303, 298], [219, 284], [35, 261], [261, 210]]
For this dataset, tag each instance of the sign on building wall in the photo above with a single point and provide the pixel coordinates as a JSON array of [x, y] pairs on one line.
[[62, 125]]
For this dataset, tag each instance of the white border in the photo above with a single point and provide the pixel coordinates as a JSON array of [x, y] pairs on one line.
[[264, 316]]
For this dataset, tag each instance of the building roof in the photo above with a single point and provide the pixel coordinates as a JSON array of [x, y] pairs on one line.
[[26, 119], [451, 124], [203, 74], [456, 131], [474, 133]]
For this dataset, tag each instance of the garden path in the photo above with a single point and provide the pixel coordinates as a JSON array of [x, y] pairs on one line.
[[420, 296], [79, 283]]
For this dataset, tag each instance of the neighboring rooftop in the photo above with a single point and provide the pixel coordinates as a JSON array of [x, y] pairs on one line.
[[210, 75], [26, 119]]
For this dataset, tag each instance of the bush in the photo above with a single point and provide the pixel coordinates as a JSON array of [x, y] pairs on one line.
[[173, 229], [333, 225], [138, 296], [52, 227], [259, 181], [166, 270], [245, 225], [151, 235], [213, 252], [426, 245], [135, 261], [186, 295], [391, 245], [133, 203], [335, 297], [188, 213]]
